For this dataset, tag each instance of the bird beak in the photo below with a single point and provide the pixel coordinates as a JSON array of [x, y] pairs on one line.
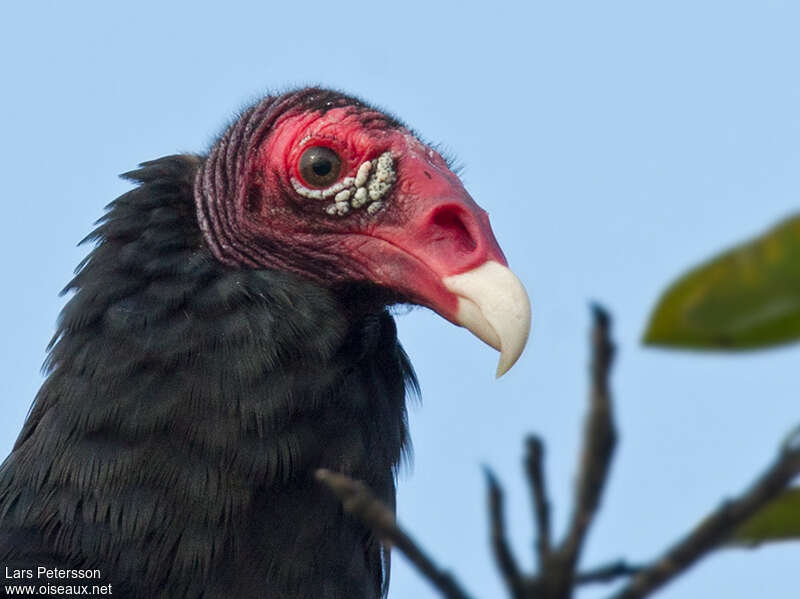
[[494, 306], [441, 253]]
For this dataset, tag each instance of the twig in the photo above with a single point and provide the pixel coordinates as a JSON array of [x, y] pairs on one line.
[[598, 448], [718, 526], [557, 577], [359, 501], [607, 573], [541, 506], [503, 555]]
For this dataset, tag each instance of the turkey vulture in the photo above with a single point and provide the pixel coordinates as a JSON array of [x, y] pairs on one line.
[[227, 336]]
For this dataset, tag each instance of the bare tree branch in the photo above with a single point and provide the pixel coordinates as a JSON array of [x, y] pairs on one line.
[[358, 500], [718, 526], [607, 573], [557, 576], [598, 448], [534, 466], [503, 555]]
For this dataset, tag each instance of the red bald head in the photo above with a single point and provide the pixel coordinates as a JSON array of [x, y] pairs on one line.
[[324, 186]]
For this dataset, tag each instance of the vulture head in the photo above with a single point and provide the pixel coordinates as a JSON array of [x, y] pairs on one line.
[[327, 187]]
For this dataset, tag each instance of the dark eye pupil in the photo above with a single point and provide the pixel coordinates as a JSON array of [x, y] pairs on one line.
[[322, 167], [319, 167]]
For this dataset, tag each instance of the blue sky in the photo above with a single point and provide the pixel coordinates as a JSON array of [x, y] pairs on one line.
[[614, 144]]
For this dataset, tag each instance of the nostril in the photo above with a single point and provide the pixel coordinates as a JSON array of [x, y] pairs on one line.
[[449, 229]]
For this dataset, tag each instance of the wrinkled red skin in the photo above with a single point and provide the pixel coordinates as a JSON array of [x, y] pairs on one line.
[[429, 228]]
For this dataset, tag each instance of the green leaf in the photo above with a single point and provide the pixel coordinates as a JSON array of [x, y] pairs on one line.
[[779, 520], [745, 298]]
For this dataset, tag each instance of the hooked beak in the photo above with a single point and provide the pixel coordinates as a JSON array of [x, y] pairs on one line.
[[494, 306], [441, 253]]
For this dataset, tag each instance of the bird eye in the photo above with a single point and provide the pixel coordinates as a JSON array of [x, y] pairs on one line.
[[320, 166]]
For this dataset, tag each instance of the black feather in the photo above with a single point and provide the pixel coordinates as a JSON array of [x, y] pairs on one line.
[[186, 407]]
